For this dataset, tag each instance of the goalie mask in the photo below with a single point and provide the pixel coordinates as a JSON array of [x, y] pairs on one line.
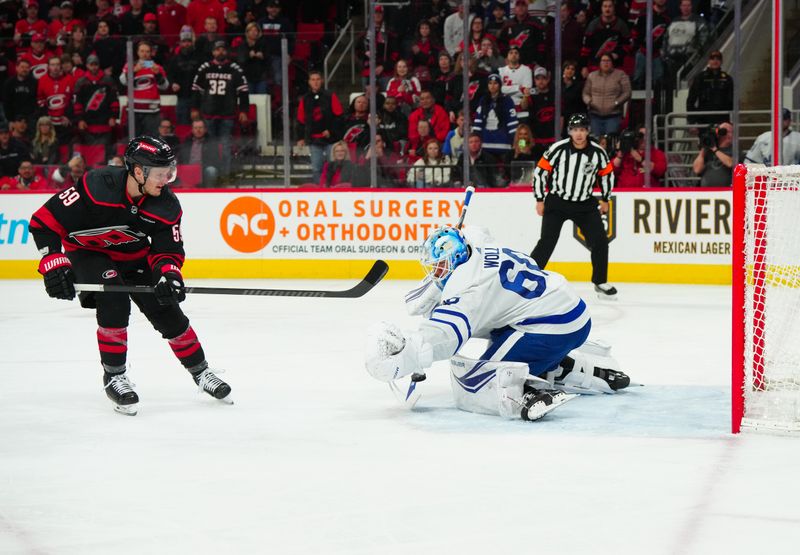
[[443, 251]]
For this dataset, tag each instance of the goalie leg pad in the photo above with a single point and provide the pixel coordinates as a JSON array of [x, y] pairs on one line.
[[589, 369]]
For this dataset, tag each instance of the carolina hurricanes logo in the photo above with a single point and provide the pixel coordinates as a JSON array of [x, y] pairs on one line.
[[110, 274], [39, 71], [520, 39], [96, 100], [352, 134], [607, 47], [144, 82], [546, 114], [472, 89], [57, 101], [659, 31]]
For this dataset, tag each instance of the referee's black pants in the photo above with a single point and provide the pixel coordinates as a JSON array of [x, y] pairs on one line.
[[586, 216]]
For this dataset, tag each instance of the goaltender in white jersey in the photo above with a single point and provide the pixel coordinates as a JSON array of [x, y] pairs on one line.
[[537, 328]]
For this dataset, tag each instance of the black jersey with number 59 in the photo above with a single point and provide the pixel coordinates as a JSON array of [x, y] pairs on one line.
[[99, 215]]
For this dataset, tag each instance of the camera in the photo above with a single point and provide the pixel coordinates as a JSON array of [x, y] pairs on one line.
[[708, 137], [626, 141]]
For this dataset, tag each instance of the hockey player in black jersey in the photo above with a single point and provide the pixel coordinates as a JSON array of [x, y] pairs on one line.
[[123, 226]]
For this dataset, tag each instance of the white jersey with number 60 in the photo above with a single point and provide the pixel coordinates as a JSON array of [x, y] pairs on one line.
[[497, 288]]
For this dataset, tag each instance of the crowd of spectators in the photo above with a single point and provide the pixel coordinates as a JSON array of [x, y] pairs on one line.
[[63, 68], [422, 55]]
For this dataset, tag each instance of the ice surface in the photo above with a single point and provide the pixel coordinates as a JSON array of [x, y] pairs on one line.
[[316, 457]]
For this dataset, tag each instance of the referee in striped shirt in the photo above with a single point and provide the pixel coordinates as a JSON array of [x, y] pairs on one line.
[[568, 171]]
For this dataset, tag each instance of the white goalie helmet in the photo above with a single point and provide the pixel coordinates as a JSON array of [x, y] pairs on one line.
[[443, 251]]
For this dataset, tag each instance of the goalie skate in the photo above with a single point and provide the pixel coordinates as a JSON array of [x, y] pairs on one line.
[[537, 403], [120, 390], [208, 382]]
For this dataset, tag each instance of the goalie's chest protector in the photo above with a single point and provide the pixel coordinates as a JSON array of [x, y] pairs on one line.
[[498, 287]]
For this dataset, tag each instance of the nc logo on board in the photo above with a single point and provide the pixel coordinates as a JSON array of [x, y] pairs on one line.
[[247, 224]]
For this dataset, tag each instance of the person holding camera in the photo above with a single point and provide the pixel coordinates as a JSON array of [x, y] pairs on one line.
[[714, 163], [630, 166], [150, 81]]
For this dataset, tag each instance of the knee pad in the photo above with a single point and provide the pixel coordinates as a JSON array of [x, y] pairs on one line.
[[113, 309]]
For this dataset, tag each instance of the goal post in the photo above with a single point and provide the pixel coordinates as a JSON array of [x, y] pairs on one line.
[[765, 393]]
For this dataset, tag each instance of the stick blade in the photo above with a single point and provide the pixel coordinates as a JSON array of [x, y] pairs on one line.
[[377, 272]]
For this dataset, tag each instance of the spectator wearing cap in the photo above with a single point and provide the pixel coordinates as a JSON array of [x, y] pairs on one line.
[[542, 113], [96, 105], [12, 152], [387, 51], [605, 93], [484, 169], [517, 82], [251, 55], [60, 29], [761, 151], [528, 34], [199, 10], [181, 70], [219, 91], [25, 180], [495, 119], [26, 28], [37, 56], [152, 35], [19, 94], [171, 17], [54, 95], [151, 80], [711, 90], [274, 27]]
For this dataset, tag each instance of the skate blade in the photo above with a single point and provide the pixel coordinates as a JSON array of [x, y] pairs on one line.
[[604, 297], [539, 410], [226, 400], [127, 410]]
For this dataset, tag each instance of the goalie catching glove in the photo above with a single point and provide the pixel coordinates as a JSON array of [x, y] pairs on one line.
[[391, 355], [59, 279], [169, 288]]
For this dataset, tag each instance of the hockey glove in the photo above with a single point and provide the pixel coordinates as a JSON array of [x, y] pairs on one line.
[[59, 279], [391, 355], [169, 288]]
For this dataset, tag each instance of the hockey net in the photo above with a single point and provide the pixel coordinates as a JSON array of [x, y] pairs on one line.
[[766, 302]]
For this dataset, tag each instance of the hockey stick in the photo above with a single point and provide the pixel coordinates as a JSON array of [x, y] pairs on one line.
[[420, 376], [375, 275]]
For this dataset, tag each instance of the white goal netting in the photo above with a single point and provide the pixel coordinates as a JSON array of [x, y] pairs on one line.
[[772, 298]]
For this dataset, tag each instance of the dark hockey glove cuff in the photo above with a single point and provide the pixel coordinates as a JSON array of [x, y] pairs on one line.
[[59, 280], [169, 288]]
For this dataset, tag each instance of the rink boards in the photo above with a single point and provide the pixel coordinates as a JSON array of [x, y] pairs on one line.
[[666, 236]]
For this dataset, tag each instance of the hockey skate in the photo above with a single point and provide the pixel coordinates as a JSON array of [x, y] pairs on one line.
[[207, 381], [605, 291], [537, 402], [120, 390]]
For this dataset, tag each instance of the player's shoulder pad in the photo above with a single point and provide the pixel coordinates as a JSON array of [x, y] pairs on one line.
[[165, 208], [106, 186]]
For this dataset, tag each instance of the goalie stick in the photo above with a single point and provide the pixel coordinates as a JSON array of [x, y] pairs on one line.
[[410, 398], [373, 277]]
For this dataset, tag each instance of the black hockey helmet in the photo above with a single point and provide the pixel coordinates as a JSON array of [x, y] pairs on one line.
[[578, 120], [148, 152]]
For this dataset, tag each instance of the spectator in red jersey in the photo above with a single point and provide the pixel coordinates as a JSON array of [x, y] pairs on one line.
[[96, 105], [339, 170], [150, 79], [69, 68], [54, 94], [77, 45], [424, 51], [25, 180], [25, 29], [60, 29], [629, 163], [274, 27], [44, 148], [431, 112], [318, 115], [171, 17], [37, 56], [404, 87], [199, 10], [108, 48]]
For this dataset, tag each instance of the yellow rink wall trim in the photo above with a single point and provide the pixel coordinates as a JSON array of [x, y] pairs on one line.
[[408, 269]]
